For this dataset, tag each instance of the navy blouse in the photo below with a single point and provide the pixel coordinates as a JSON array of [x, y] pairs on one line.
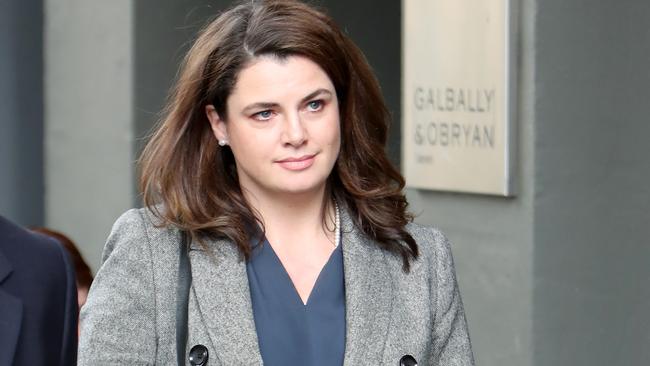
[[289, 332]]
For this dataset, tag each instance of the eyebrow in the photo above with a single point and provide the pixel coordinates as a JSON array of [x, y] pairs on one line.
[[268, 105], [316, 93]]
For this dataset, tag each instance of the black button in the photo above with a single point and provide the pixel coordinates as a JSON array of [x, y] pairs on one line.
[[407, 360], [198, 355]]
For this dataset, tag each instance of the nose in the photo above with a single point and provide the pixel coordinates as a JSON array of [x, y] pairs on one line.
[[294, 133]]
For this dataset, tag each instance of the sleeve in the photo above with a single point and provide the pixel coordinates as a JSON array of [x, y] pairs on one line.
[[71, 315], [118, 321], [451, 338]]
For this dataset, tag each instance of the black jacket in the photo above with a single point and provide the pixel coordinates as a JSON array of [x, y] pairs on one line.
[[38, 300]]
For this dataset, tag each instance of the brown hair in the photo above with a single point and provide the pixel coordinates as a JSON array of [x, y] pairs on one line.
[[81, 269], [191, 183]]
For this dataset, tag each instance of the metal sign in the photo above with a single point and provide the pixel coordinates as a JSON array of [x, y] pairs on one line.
[[458, 90]]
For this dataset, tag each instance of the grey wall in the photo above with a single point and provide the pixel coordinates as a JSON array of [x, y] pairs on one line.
[[592, 168], [558, 275], [89, 118], [492, 237], [21, 111], [106, 80]]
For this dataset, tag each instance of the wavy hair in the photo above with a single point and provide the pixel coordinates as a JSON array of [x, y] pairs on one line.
[[191, 183]]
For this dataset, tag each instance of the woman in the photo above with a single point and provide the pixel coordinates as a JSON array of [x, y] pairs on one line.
[[270, 161]]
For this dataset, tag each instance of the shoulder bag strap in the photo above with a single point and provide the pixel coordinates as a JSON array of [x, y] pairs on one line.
[[182, 298]]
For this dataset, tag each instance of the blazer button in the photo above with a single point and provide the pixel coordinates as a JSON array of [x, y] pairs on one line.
[[198, 355], [407, 360]]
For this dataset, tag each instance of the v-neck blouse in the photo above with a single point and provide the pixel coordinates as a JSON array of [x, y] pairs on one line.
[[288, 331]]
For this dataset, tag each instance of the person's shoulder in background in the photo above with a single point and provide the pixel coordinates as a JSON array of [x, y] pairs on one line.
[[37, 299]]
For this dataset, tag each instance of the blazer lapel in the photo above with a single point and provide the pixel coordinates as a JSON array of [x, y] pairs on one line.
[[221, 286], [368, 295], [11, 315]]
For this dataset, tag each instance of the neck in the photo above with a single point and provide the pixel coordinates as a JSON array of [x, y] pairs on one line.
[[299, 213]]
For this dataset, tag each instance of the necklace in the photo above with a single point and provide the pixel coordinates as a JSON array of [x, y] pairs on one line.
[[337, 225]]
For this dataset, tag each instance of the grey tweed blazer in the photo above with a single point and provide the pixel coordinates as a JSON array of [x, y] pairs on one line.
[[129, 318]]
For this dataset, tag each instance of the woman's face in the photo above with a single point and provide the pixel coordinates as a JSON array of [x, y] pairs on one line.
[[282, 126]]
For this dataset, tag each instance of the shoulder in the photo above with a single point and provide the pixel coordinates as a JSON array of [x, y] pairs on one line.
[[432, 243], [124, 302], [435, 251], [37, 254], [136, 222], [138, 219], [135, 230], [15, 239]]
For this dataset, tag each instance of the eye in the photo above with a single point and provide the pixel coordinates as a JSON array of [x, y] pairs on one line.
[[263, 115], [315, 105]]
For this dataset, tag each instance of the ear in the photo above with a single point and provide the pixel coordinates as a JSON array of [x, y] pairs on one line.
[[219, 127]]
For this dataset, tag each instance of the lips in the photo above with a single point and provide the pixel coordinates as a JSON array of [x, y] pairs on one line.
[[297, 163]]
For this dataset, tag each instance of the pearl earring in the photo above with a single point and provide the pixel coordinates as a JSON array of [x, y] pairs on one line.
[[223, 142]]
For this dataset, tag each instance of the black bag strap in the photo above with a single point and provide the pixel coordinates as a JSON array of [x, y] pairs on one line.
[[182, 298]]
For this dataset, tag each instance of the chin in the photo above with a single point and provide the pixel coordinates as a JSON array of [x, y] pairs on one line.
[[298, 187]]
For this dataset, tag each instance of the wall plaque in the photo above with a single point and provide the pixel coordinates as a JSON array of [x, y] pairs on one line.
[[458, 95]]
